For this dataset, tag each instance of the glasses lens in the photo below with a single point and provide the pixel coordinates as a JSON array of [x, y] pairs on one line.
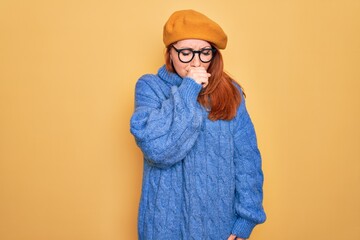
[[186, 55], [206, 55]]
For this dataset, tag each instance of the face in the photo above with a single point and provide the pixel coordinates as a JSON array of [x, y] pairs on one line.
[[194, 44]]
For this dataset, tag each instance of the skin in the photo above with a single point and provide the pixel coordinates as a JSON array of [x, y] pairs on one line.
[[195, 69], [233, 237]]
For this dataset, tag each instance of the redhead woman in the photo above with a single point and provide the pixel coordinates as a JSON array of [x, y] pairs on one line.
[[202, 174]]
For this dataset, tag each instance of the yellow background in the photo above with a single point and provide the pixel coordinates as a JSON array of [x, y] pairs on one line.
[[69, 168]]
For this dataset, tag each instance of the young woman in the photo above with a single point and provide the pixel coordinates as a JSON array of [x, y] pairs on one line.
[[202, 168]]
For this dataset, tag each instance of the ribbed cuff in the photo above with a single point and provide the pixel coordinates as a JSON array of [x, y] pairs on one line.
[[243, 228], [189, 90]]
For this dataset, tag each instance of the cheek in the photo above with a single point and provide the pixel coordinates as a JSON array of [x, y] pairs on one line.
[[205, 65], [180, 68]]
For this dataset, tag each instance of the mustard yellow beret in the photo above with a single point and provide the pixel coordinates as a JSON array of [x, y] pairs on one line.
[[190, 24]]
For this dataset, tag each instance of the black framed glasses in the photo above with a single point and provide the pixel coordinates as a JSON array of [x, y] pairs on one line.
[[186, 55]]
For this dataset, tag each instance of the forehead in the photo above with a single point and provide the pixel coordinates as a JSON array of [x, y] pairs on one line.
[[192, 43]]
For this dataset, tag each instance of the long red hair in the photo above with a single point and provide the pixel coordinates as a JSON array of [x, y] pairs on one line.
[[221, 95]]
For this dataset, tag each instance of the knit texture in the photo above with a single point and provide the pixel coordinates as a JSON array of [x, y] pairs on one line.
[[202, 179]]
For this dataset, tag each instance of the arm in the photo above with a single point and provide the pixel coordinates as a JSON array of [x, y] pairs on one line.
[[165, 129], [249, 177]]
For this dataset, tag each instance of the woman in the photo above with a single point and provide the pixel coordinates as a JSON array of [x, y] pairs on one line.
[[202, 167]]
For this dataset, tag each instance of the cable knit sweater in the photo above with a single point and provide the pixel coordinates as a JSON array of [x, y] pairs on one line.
[[202, 179]]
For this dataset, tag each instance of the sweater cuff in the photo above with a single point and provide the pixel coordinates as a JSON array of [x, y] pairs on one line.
[[243, 228], [189, 90]]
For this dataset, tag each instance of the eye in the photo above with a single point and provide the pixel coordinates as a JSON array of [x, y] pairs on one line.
[[206, 52], [186, 52]]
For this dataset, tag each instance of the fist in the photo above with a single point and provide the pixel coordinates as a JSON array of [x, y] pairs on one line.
[[199, 74]]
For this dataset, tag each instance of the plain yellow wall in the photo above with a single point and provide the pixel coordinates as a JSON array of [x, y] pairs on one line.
[[69, 168]]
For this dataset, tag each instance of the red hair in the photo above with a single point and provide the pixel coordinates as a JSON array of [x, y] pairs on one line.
[[221, 95]]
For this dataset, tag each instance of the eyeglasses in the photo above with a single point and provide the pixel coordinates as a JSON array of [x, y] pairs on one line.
[[186, 55]]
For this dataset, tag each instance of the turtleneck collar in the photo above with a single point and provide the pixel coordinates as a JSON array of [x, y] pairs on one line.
[[171, 78]]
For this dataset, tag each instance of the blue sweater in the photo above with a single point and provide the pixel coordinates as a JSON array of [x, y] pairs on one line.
[[202, 179]]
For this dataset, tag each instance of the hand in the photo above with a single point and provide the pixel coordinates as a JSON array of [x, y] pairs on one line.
[[233, 237], [199, 74]]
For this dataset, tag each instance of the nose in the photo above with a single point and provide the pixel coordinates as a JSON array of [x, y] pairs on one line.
[[196, 60]]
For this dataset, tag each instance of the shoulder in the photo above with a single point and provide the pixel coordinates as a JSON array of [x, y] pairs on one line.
[[148, 82], [151, 87], [148, 79]]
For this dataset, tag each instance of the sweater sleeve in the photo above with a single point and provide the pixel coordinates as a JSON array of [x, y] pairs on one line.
[[165, 129], [249, 177]]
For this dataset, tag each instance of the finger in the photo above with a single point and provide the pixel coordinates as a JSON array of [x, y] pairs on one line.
[[196, 69], [199, 73], [199, 77], [202, 72], [232, 237]]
